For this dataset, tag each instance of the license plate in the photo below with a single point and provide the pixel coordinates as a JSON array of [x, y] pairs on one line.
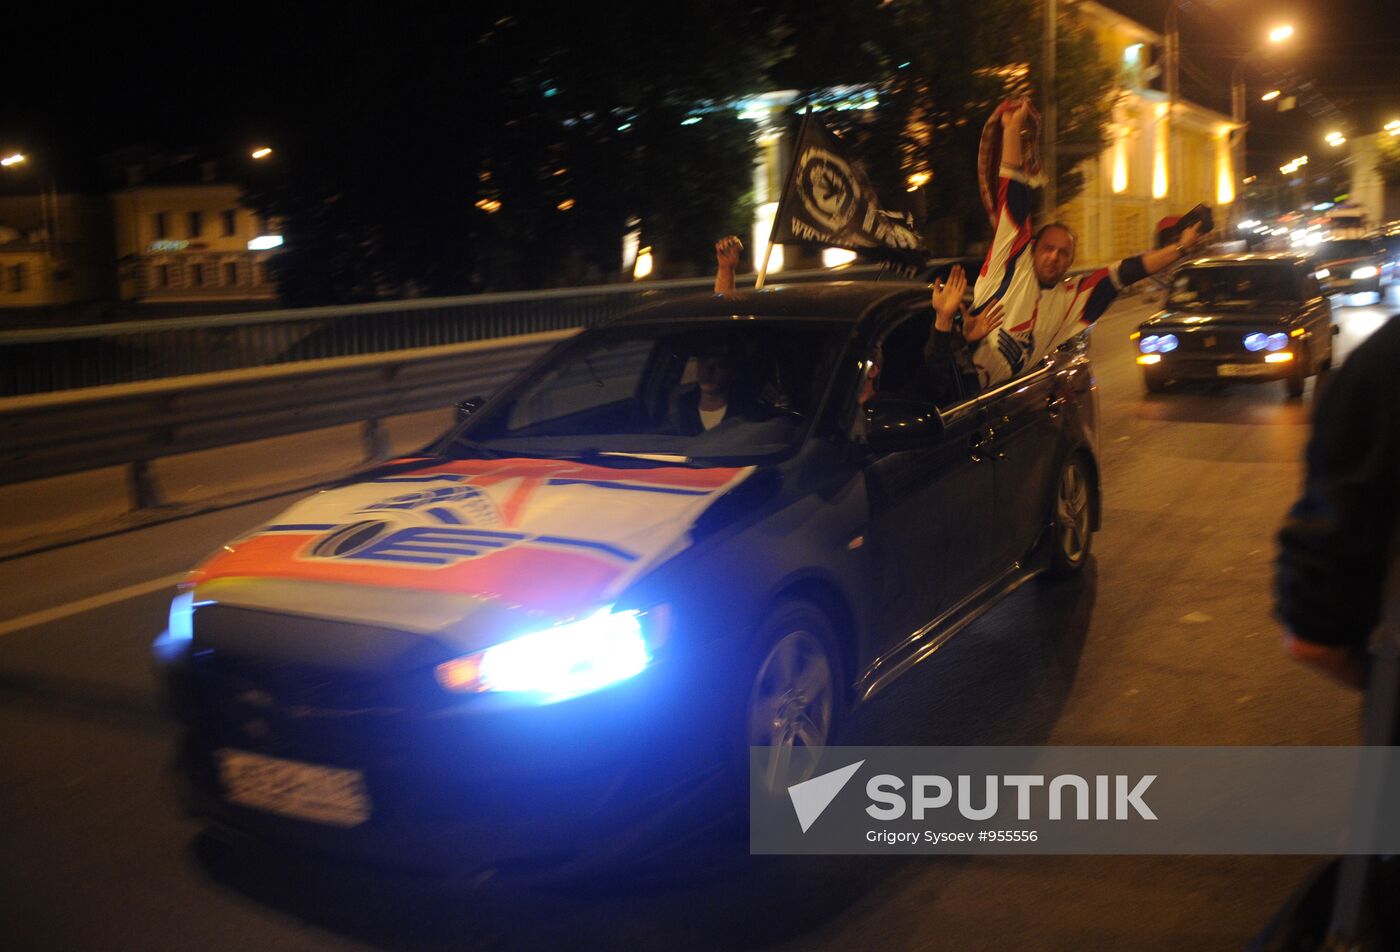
[[1243, 370], [330, 795]]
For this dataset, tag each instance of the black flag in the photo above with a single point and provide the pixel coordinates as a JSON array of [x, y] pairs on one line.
[[828, 200]]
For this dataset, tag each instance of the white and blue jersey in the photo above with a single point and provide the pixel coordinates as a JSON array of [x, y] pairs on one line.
[[1038, 319]]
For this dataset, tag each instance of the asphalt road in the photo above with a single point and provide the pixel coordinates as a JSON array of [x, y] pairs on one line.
[[1167, 640]]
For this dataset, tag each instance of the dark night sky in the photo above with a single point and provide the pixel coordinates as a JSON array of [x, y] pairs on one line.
[[223, 78]]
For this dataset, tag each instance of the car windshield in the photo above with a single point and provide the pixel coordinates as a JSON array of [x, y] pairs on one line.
[[1347, 248], [1234, 285], [671, 393]]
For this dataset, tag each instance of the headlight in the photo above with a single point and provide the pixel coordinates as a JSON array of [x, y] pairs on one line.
[[1256, 341], [1361, 274], [1148, 345], [1277, 341], [1167, 343], [556, 663], [181, 625], [1322, 273]]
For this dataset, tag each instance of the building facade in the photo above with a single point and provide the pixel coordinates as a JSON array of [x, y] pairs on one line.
[[180, 244], [55, 251], [1153, 168]]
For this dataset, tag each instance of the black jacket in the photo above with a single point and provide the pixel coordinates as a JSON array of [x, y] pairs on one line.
[[1336, 539]]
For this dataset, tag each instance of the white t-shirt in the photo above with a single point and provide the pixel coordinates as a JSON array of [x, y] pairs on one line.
[[710, 419]]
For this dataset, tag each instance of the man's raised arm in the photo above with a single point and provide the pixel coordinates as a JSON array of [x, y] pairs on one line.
[[1013, 210]]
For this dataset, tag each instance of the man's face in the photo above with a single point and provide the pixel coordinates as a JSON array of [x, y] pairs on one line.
[[1052, 255], [712, 373]]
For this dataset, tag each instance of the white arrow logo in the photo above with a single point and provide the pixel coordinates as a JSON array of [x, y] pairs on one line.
[[810, 798]]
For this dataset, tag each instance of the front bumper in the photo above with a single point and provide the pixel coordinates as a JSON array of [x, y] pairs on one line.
[[1229, 368], [455, 790], [1340, 285]]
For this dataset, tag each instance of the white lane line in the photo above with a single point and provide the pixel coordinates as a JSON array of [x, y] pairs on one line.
[[88, 604]]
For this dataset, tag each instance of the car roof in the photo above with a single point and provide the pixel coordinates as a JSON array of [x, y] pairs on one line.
[[847, 301], [1248, 257]]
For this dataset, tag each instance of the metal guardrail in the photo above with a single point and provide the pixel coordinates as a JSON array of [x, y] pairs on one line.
[[54, 434], [48, 360]]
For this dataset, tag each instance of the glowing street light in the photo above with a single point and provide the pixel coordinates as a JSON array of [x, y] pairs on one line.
[[10, 160], [261, 153], [1271, 95], [1280, 33], [1335, 139]]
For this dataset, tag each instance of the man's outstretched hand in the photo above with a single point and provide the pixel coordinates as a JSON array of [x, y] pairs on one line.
[[948, 298], [727, 251], [976, 327]]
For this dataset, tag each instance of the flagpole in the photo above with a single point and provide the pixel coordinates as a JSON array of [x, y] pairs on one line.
[[782, 197]]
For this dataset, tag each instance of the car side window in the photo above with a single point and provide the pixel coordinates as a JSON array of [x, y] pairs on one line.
[[907, 369]]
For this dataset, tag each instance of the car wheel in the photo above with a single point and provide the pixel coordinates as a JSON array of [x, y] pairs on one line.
[[1296, 380], [1154, 381], [794, 699], [1071, 525]]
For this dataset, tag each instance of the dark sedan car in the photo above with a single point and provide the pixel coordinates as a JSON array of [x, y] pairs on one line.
[[558, 629], [1240, 317], [1352, 266]]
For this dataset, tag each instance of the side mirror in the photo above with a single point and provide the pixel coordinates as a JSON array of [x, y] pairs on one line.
[[467, 407], [897, 423]]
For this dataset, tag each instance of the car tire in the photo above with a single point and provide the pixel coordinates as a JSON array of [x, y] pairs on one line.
[[793, 690], [1072, 518], [1154, 381], [1298, 378]]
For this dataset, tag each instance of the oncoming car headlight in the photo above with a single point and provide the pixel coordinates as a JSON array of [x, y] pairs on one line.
[[1158, 344], [557, 663], [1256, 341], [1361, 274], [1321, 273], [1277, 341]]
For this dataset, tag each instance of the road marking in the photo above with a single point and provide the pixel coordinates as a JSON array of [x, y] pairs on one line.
[[34, 619]]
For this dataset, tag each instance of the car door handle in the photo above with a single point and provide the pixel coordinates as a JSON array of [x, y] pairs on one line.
[[980, 443]]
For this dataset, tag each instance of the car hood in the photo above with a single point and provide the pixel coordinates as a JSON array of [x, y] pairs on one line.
[[1253, 316], [430, 542]]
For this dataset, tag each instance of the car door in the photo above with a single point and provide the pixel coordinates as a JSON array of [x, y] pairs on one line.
[[1023, 420], [929, 506]]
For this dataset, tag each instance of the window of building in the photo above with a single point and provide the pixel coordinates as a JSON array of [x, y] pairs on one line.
[[231, 273], [19, 278], [197, 274], [195, 222], [161, 224], [163, 275], [230, 222]]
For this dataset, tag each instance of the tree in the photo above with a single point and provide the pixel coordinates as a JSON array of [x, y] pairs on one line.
[[939, 69], [492, 146]]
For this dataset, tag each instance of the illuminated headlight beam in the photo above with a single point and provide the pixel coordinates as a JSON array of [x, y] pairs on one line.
[[555, 663]]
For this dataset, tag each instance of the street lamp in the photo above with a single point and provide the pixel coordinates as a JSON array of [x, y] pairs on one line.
[[48, 210], [1237, 157], [261, 153], [1271, 95]]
